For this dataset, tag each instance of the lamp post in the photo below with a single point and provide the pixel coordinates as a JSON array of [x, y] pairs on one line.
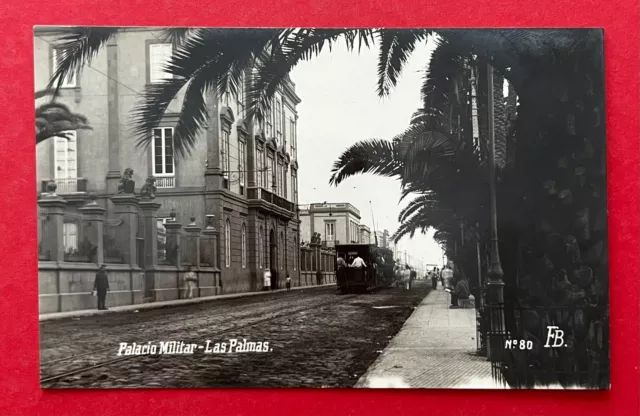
[[495, 284]]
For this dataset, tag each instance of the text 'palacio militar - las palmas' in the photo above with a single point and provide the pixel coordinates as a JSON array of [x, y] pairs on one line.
[[229, 208]]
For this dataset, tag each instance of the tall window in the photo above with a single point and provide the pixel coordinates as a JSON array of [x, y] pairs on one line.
[[240, 99], [66, 156], [227, 243], [71, 80], [280, 178], [269, 123], [162, 154], [226, 157], [260, 248], [283, 251], [272, 173], [295, 253], [279, 122], [242, 151], [70, 236], [294, 186], [244, 246], [292, 137], [260, 174], [159, 56], [329, 231]]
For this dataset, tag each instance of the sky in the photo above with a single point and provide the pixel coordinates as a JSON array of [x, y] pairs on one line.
[[340, 107]]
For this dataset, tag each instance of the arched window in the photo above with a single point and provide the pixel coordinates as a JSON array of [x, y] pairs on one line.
[[283, 249], [227, 243], [244, 246], [260, 248], [295, 253]]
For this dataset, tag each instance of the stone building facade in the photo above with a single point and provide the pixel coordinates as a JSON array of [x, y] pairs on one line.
[[242, 173], [337, 223]]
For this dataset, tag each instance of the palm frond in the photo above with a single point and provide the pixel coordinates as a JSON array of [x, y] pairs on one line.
[[396, 46], [53, 119], [206, 60], [369, 156], [176, 35], [415, 204], [77, 46], [285, 52]]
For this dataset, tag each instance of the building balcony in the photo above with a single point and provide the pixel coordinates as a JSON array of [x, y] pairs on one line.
[[67, 186], [330, 243], [264, 195], [165, 181]]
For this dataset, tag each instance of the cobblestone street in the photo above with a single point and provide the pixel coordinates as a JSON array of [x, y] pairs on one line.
[[317, 339]]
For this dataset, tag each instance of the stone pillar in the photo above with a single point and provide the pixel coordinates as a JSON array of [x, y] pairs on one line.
[[126, 206], [95, 214], [150, 212], [52, 206], [173, 228], [192, 245], [113, 116], [210, 234]]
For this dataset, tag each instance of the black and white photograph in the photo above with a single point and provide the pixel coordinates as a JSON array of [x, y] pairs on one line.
[[321, 208]]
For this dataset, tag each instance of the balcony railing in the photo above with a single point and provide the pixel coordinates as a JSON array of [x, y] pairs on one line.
[[165, 181], [260, 193], [67, 185]]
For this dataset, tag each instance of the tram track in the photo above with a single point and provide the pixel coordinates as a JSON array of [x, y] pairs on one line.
[[286, 314]]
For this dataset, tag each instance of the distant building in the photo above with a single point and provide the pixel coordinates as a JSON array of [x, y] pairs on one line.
[[365, 234], [337, 223], [384, 239]]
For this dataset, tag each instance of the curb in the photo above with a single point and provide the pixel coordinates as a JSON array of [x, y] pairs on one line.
[[166, 304]]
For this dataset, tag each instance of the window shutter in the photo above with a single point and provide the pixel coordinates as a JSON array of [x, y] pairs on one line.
[[159, 56], [66, 162]]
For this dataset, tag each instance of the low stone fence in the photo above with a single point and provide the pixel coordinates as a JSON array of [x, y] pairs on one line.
[[315, 258], [67, 287], [142, 264]]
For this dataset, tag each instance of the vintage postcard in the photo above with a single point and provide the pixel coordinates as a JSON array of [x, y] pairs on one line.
[[375, 208]]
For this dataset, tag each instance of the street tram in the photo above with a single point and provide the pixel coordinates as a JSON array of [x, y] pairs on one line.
[[351, 279]]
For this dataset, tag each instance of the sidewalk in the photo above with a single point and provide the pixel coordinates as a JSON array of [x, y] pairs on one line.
[[165, 304], [434, 349]]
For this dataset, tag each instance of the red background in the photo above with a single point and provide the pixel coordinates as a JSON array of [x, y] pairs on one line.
[[19, 385]]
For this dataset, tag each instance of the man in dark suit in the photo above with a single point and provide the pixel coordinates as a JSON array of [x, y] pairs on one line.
[[101, 286]]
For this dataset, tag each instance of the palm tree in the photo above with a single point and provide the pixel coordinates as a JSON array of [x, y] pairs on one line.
[[54, 119]]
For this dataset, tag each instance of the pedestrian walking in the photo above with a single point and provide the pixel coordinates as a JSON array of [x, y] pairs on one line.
[[190, 280], [406, 278], [460, 292], [101, 286], [267, 280], [434, 278], [288, 282]]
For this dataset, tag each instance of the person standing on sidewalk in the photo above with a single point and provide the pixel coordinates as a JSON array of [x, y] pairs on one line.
[[267, 279], [434, 278], [101, 286], [288, 282], [190, 280]]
